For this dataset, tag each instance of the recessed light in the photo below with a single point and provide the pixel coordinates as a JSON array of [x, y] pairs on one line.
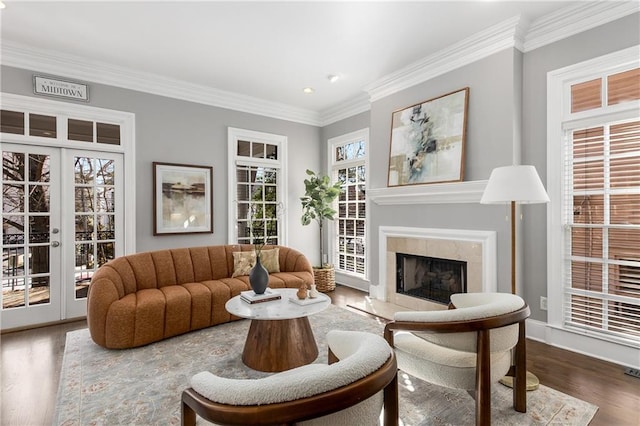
[[333, 78], [308, 90], [2, 5]]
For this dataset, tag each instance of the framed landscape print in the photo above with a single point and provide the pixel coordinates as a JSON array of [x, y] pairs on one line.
[[428, 141], [182, 199]]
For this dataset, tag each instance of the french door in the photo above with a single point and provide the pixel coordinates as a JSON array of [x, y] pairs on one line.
[[62, 215]]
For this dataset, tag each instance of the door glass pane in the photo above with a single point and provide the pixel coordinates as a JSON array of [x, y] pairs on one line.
[[12, 230], [108, 133], [12, 122], [13, 294], [39, 168], [105, 199], [42, 125], [106, 227], [12, 198], [84, 228], [83, 170], [106, 252], [39, 259], [105, 171], [38, 229], [38, 198], [80, 130], [84, 199], [39, 291], [13, 166]]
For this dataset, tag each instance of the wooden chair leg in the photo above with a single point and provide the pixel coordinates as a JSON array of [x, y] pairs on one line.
[[391, 403], [188, 416], [483, 379], [520, 376]]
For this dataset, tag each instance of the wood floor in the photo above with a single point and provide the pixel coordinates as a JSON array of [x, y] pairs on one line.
[[32, 359]]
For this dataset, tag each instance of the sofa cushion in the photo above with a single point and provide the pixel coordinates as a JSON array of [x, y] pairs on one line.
[[270, 260], [243, 261]]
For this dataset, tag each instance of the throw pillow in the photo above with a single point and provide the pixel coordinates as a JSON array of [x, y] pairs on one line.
[[270, 260], [243, 261]]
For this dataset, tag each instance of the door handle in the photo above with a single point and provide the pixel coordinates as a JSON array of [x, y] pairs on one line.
[[55, 243]]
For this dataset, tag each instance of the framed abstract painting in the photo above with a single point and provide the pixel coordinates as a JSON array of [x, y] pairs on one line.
[[428, 141]]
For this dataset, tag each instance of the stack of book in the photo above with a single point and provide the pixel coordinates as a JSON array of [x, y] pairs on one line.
[[250, 297]]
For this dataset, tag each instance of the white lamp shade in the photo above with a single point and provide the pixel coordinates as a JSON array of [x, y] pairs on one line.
[[514, 183]]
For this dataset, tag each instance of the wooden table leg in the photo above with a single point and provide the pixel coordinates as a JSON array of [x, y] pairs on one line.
[[278, 345]]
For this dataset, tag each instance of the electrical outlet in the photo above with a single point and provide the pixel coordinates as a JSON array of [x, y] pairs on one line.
[[543, 303]]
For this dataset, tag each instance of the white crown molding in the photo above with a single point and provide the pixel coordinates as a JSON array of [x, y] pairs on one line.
[[512, 33], [56, 63], [572, 20], [440, 193], [485, 43], [346, 109]]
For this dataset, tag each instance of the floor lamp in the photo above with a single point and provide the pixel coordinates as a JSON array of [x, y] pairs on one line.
[[511, 185]]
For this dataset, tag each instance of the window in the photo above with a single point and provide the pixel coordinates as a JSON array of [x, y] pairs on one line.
[[257, 187], [348, 160], [595, 254]]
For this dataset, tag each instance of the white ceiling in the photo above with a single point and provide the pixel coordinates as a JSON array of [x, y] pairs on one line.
[[266, 50]]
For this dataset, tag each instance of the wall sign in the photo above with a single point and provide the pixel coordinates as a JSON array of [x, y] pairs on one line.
[[60, 88]]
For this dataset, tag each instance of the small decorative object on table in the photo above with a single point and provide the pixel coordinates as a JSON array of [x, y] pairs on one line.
[[302, 292], [250, 296], [313, 292]]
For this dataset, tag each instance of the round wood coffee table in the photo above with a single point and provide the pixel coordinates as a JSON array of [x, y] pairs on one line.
[[280, 336]]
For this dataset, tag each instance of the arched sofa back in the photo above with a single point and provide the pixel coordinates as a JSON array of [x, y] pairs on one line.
[[141, 298]]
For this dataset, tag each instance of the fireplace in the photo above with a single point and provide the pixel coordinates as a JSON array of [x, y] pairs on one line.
[[430, 278], [476, 248]]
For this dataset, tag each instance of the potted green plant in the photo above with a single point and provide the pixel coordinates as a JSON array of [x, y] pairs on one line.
[[317, 204]]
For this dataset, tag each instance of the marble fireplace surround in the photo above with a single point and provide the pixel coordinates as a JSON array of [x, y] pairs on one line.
[[477, 248]]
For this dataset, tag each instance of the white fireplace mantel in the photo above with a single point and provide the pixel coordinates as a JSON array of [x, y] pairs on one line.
[[439, 193], [487, 239]]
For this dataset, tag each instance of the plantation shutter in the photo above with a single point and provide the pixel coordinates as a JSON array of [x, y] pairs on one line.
[[601, 209]]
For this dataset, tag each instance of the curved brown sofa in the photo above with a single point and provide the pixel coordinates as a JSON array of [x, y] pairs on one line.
[[142, 298]]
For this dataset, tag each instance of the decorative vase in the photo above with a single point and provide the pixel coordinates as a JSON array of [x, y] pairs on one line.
[[258, 277], [313, 292], [302, 292]]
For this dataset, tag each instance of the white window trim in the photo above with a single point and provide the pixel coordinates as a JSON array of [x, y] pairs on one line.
[[345, 278], [63, 110], [233, 136], [558, 114]]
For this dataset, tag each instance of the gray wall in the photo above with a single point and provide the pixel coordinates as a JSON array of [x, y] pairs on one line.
[[175, 131]]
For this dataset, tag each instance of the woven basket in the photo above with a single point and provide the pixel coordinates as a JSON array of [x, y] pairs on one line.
[[325, 279]]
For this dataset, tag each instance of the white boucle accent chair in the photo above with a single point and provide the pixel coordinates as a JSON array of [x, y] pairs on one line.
[[467, 346], [360, 378]]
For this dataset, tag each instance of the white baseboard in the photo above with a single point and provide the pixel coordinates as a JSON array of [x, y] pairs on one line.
[[596, 348], [353, 282]]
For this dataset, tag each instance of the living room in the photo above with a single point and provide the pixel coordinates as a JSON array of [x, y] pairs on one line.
[[508, 68]]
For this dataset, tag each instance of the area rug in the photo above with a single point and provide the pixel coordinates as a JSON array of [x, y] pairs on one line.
[[142, 386]]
